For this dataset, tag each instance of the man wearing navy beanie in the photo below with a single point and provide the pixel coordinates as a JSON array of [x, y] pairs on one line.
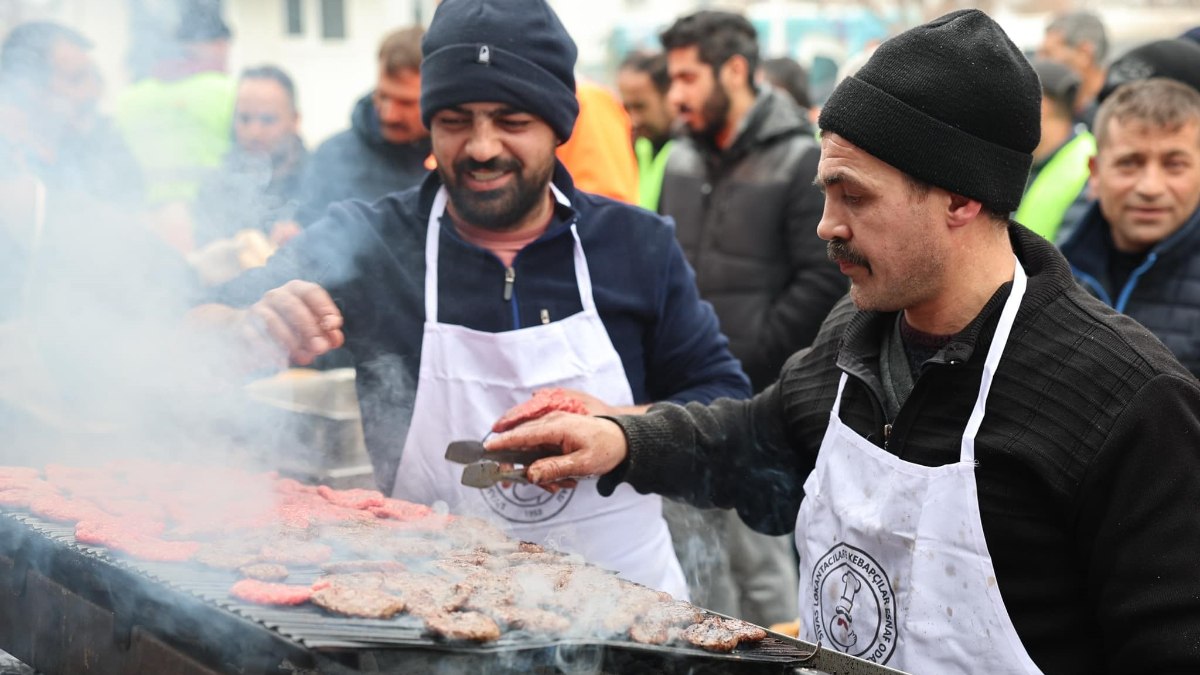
[[493, 279], [986, 469]]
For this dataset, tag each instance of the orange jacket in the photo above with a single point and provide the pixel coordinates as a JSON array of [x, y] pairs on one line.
[[600, 152]]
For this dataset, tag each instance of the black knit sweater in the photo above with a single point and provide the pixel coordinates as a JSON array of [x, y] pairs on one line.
[[1089, 462]]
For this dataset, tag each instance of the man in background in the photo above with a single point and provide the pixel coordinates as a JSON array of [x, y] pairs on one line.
[[740, 187], [1138, 248], [1056, 193], [258, 183], [643, 82], [1079, 41], [386, 149]]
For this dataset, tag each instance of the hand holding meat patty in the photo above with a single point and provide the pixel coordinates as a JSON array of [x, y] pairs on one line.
[[591, 446]]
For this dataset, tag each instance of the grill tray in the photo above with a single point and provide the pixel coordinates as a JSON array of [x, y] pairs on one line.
[[187, 611]]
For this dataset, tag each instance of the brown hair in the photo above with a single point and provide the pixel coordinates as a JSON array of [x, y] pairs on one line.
[[401, 50], [1157, 102]]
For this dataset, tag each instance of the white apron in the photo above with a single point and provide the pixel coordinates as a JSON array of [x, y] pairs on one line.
[[468, 378], [894, 566]]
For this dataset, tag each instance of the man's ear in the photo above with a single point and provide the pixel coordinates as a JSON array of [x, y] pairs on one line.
[[961, 210], [734, 73]]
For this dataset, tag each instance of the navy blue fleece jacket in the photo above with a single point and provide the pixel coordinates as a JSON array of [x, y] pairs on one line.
[[371, 258]]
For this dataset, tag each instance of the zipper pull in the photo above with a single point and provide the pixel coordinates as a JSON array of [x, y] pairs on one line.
[[887, 435], [545, 314], [510, 276]]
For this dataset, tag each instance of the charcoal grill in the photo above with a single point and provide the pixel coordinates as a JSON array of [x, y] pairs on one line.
[[68, 608]]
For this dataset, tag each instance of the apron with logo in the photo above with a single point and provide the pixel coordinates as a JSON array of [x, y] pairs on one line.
[[468, 378], [894, 566]]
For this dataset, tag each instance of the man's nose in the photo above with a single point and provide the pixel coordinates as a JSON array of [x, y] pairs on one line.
[[1152, 182], [484, 142], [831, 226]]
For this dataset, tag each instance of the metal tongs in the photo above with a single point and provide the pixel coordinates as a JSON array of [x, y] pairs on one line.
[[483, 469]]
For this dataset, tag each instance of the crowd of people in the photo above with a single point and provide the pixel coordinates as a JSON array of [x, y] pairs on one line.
[[915, 364]]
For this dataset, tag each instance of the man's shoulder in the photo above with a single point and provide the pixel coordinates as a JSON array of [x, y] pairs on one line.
[[606, 216], [342, 143]]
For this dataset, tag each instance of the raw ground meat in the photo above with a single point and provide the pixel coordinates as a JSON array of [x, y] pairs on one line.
[[115, 535], [287, 552], [352, 499], [544, 401], [267, 593]]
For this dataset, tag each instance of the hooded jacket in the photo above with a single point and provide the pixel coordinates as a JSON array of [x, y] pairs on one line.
[[360, 164], [1163, 291], [1087, 467], [747, 219]]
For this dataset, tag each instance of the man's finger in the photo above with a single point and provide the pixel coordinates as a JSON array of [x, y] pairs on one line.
[[555, 469], [299, 317], [271, 325], [319, 302], [541, 431]]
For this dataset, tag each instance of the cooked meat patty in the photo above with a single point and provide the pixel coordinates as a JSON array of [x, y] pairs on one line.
[[290, 552], [228, 555], [264, 571], [426, 595], [352, 566], [532, 619], [471, 626], [368, 603]]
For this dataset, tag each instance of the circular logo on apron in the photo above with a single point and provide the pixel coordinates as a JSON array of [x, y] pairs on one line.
[[854, 605], [521, 503]]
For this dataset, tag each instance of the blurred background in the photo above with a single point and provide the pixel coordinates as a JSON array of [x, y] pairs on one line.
[[329, 46]]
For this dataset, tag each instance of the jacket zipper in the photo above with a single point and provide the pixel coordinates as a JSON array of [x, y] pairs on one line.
[[510, 294]]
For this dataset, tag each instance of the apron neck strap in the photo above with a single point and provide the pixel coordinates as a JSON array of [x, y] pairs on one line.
[[583, 279], [1008, 317]]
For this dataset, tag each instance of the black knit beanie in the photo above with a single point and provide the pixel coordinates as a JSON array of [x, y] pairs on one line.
[[1177, 59], [502, 51], [953, 103]]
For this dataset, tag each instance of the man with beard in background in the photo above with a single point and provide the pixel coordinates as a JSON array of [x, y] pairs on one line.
[[386, 149], [494, 278], [986, 469], [740, 188]]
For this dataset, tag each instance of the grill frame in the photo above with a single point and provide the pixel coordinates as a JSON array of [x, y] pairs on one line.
[[88, 611]]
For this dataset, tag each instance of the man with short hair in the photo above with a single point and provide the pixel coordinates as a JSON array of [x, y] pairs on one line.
[[494, 278], [257, 186], [386, 149], [986, 469], [643, 82], [1079, 41], [50, 123], [739, 186], [1056, 193], [1138, 248]]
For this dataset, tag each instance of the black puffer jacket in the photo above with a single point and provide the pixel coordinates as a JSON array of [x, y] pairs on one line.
[[1162, 294], [1088, 462], [747, 220]]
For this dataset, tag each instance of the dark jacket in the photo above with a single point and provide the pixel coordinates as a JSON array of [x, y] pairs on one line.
[[1088, 463], [246, 192], [359, 164], [747, 220], [371, 258], [1162, 293]]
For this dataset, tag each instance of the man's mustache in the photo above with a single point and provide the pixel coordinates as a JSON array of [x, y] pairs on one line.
[[839, 251], [493, 164]]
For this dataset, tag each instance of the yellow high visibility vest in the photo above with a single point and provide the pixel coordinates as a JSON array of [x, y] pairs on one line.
[[1057, 185]]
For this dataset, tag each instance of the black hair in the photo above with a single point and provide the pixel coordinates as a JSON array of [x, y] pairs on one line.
[[653, 64], [719, 37], [275, 74], [29, 48], [790, 76]]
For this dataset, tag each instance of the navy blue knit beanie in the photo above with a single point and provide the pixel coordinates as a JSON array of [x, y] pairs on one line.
[[502, 51], [952, 102]]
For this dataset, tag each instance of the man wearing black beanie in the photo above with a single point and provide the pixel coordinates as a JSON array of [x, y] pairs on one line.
[[493, 279], [986, 469]]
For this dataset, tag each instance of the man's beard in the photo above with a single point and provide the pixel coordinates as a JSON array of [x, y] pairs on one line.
[[501, 209], [715, 112]]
